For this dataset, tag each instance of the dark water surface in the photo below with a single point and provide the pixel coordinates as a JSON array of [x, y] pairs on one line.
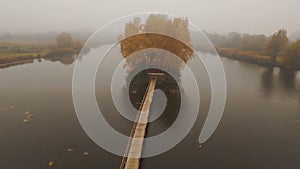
[[260, 127]]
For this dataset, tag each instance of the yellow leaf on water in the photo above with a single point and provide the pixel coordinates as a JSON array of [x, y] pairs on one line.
[[70, 150], [85, 153], [25, 120], [28, 114], [50, 163]]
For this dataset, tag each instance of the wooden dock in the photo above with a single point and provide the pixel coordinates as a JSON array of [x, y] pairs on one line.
[[131, 159]]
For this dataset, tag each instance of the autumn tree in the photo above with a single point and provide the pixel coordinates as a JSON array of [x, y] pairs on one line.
[[154, 42], [64, 40], [159, 32], [292, 55], [276, 43]]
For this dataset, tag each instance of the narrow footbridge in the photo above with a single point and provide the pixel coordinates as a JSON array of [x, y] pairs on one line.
[[133, 154]]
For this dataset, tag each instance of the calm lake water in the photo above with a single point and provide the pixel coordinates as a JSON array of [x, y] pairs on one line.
[[260, 127]]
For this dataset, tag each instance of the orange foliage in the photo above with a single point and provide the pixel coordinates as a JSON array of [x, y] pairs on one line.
[[158, 32]]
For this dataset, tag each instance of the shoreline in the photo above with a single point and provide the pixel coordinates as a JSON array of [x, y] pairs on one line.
[[30, 59], [19, 62], [266, 61], [253, 58], [263, 64]]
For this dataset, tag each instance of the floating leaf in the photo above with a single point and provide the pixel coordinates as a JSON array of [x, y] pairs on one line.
[[25, 120], [85, 153], [28, 114], [50, 163], [70, 150]]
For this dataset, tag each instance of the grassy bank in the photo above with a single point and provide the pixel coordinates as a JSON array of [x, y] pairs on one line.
[[252, 57], [12, 52], [14, 57]]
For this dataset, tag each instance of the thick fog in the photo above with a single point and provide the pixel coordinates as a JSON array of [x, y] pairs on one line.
[[216, 16]]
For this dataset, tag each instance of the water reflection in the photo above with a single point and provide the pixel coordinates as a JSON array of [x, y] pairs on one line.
[[66, 60], [168, 85], [55, 127], [287, 78], [267, 81], [7, 65], [172, 92]]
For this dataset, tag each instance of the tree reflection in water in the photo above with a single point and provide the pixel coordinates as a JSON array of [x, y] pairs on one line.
[[287, 78], [267, 81], [283, 81], [168, 85]]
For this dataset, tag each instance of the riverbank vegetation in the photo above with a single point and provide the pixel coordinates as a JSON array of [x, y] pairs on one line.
[[65, 45], [276, 50]]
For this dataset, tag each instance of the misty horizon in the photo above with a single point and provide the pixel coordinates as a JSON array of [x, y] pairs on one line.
[[253, 17]]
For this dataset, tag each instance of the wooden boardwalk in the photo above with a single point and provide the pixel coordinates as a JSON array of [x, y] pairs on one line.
[[135, 146]]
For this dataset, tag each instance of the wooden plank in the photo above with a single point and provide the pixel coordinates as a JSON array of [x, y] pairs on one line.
[[136, 145]]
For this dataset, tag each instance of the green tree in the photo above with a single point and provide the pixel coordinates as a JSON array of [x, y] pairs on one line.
[[276, 43], [292, 55], [64, 40]]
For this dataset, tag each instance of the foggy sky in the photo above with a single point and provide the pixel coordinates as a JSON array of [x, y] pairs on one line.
[[216, 16]]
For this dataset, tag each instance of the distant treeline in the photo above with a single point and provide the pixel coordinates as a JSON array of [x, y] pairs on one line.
[[275, 50], [63, 45]]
